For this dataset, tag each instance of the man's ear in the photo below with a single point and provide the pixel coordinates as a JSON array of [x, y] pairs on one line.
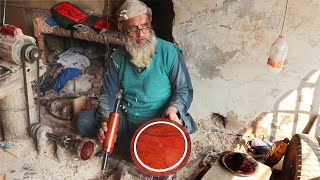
[[120, 26]]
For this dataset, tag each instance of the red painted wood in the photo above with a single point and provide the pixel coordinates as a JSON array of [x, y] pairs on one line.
[[111, 134], [160, 147]]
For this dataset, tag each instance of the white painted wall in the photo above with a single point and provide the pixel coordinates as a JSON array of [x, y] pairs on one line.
[[226, 45]]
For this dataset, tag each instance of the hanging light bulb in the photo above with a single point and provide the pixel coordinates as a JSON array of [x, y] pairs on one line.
[[279, 49]]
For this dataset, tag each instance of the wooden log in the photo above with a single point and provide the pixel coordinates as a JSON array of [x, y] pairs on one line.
[[13, 115], [41, 28]]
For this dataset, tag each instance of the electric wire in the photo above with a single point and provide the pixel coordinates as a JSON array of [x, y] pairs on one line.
[[285, 17], [1, 8], [4, 12]]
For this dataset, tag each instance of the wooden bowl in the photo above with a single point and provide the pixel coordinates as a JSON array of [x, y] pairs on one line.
[[240, 164], [160, 147]]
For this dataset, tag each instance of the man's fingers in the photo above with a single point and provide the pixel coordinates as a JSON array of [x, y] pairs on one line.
[[101, 135], [174, 117], [104, 126], [102, 131], [171, 116]]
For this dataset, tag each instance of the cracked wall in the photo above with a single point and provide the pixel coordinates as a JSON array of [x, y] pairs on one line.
[[226, 44]]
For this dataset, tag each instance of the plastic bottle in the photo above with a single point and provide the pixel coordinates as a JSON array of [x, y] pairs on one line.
[[277, 55]]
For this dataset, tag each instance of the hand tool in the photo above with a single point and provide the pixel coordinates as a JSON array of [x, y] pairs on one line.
[[111, 134]]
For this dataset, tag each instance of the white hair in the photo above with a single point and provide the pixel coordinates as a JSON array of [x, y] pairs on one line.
[[141, 54]]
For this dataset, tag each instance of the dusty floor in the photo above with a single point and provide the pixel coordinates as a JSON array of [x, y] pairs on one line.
[[31, 165]]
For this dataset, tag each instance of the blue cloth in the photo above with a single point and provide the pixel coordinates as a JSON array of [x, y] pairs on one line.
[[65, 76], [50, 21], [181, 89], [87, 123]]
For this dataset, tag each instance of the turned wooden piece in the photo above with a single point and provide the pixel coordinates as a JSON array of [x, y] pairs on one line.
[[160, 147]]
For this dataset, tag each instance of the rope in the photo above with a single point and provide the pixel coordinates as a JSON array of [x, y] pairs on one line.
[[285, 17], [100, 38]]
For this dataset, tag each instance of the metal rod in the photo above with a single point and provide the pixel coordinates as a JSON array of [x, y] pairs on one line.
[[119, 96], [38, 90], [104, 163]]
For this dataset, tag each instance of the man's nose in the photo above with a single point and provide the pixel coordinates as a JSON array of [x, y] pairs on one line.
[[141, 34]]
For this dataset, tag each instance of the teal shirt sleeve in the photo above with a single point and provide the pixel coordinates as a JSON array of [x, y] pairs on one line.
[[110, 88], [182, 92]]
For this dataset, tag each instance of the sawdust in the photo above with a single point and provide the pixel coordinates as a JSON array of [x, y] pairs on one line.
[[31, 165]]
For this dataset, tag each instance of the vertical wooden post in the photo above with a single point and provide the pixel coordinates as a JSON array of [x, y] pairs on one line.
[[40, 39], [42, 47]]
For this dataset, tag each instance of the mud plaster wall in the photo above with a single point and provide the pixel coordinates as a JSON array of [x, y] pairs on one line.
[[226, 44]]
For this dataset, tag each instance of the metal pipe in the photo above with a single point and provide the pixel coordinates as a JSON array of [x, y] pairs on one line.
[[119, 96], [104, 163], [38, 90]]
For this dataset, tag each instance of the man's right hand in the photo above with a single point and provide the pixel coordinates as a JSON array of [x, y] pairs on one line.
[[101, 132]]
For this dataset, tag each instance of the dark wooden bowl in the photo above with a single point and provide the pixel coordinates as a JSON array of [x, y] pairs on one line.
[[160, 147]]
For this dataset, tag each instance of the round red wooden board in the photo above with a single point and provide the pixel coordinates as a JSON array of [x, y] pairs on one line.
[[160, 147]]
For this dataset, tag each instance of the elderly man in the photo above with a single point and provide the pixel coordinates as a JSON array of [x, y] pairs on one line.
[[152, 74]]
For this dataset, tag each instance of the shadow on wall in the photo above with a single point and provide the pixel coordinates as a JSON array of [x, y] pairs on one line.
[[162, 17], [295, 112]]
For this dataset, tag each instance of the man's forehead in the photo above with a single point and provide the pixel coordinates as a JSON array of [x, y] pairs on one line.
[[138, 20]]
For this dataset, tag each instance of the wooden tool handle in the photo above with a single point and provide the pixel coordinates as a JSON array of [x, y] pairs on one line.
[[111, 134]]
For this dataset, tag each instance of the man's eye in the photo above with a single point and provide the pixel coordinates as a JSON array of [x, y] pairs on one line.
[[133, 28]]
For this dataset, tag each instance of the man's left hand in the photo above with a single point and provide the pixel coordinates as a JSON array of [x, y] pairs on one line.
[[171, 113]]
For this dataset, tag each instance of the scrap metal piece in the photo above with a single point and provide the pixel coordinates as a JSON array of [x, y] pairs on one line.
[[205, 152], [84, 148]]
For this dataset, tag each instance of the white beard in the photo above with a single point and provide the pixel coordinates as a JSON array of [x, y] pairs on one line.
[[141, 54]]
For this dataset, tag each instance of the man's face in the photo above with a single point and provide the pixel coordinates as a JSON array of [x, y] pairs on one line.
[[138, 28]]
